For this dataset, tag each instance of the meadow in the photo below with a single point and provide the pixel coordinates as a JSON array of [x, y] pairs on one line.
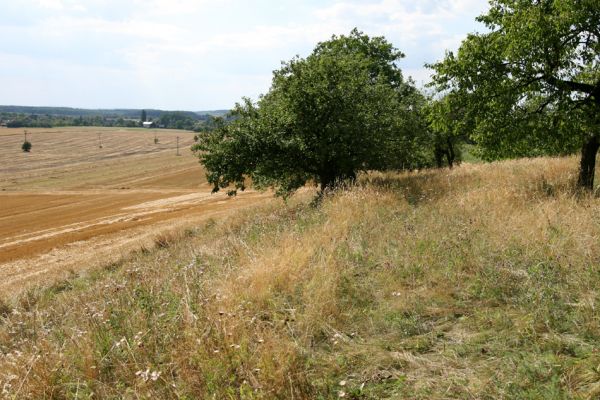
[[479, 282]]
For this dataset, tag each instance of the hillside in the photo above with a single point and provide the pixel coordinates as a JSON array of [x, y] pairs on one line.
[[479, 282]]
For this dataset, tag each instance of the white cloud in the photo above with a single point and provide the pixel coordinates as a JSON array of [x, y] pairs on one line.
[[51, 4], [215, 51]]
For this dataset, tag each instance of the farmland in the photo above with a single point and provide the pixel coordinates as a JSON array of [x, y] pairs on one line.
[[85, 197]]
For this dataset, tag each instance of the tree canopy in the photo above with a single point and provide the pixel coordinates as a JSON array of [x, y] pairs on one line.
[[447, 127], [177, 120], [531, 83], [343, 109]]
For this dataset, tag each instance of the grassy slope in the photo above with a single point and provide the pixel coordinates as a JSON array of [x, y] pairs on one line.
[[481, 282]]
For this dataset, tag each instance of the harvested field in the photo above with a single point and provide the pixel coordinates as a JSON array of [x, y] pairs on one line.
[[70, 205]]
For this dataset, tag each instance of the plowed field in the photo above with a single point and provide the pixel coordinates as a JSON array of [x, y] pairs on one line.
[[70, 205]]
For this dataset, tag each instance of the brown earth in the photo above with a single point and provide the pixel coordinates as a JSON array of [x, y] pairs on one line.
[[70, 205]]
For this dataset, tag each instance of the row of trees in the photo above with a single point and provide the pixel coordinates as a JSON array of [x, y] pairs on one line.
[[49, 121], [178, 120], [529, 86], [170, 120]]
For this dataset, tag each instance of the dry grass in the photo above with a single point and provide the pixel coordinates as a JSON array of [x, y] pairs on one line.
[[481, 282]]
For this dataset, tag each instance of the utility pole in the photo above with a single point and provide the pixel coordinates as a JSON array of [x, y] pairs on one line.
[[99, 140], [178, 146], [25, 133]]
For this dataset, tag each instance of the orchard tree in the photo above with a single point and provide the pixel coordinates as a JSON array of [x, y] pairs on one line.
[[532, 81], [345, 108], [447, 126]]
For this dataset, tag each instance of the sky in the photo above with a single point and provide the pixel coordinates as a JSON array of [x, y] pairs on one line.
[[198, 54]]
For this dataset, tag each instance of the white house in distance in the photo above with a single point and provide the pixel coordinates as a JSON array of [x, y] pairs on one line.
[[148, 124]]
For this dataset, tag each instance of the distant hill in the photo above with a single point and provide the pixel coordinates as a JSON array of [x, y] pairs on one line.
[[118, 112]]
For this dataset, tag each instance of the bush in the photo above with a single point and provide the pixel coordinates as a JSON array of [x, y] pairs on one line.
[[26, 146]]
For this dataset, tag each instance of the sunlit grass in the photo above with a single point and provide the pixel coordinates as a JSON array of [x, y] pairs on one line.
[[479, 282]]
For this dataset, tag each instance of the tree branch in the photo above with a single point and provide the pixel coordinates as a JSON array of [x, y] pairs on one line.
[[570, 85]]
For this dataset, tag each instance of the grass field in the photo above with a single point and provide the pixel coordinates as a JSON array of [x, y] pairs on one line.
[[476, 283], [69, 204]]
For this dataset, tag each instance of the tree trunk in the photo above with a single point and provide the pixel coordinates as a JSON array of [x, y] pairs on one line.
[[450, 155], [439, 156], [329, 179], [588, 163]]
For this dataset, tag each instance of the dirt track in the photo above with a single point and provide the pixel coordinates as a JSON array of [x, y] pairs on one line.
[[70, 205]]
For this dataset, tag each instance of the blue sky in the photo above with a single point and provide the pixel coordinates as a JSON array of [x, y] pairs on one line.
[[197, 54]]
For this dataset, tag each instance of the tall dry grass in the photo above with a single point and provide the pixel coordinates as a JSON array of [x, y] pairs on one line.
[[480, 282]]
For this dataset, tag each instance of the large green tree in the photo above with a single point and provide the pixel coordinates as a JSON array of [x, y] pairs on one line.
[[531, 83], [343, 109]]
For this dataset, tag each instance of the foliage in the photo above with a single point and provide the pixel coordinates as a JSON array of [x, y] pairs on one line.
[[177, 120], [531, 84], [447, 127], [26, 146], [50, 121], [108, 113], [34, 117], [345, 108], [210, 123]]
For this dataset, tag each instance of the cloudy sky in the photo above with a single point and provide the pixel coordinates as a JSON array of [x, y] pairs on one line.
[[197, 54]]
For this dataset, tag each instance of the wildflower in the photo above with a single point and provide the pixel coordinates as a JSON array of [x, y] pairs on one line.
[[143, 374], [138, 339], [155, 375]]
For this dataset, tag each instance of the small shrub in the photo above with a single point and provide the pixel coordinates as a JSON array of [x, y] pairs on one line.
[[26, 146]]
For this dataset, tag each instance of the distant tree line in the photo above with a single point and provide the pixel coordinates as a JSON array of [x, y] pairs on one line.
[[111, 113], [167, 120], [49, 121]]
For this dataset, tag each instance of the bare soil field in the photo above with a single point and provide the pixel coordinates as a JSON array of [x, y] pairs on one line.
[[70, 205]]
